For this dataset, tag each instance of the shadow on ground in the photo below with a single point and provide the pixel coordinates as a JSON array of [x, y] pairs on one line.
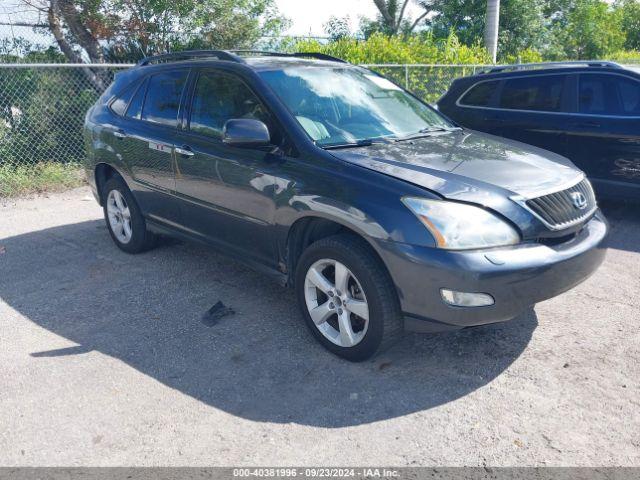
[[261, 363], [624, 222]]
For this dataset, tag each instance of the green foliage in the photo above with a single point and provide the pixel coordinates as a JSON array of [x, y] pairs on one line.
[[41, 115], [379, 48], [592, 29], [47, 176], [630, 22]]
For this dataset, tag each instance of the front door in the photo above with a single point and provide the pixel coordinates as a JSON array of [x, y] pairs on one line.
[[228, 193]]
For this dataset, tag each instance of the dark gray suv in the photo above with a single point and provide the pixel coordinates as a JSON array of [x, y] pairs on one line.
[[379, 212]]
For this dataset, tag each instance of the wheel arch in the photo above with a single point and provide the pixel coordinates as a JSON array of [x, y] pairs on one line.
[[311, 228], [102, 173]]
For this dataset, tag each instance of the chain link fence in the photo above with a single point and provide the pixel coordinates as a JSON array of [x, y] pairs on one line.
[[42, 109]]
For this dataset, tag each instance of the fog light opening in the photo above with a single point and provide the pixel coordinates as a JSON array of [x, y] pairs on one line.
[[466, 299]]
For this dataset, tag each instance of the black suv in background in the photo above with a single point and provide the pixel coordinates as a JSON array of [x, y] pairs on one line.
[[588, 112], [377, 210]]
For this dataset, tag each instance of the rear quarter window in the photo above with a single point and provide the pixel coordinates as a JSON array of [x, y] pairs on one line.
[[480, 94], [120, 102]]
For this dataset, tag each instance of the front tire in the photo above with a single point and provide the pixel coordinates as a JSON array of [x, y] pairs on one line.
[[347, 297], [124, 219]]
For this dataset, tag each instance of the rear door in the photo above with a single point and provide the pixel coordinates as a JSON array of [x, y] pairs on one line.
[[535, 109], [604, 140], [147, 139]]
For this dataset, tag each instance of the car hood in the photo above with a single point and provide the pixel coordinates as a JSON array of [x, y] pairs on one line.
[[467, 165]]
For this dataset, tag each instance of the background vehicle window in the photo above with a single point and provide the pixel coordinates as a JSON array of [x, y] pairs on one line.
[[119, 105], [219, 97], [539, 92], [608, 95], [135, 106], [480, 95], [163, 97]]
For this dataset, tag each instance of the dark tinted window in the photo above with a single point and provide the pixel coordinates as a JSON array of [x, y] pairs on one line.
[[119, 105], [601, 94], [219, 97], [480, 95], [539, 92], [135, 106], [163, 97]]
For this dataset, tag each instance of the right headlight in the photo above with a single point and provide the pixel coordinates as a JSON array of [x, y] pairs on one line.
[[459, 226]]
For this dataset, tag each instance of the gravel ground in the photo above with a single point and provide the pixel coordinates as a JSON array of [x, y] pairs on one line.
[[104, 360]]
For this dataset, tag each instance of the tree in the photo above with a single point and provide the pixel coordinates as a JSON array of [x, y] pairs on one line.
[[589, 29], [391, 18], [337, 28], [99, 30], [522, 23], [630, 22]]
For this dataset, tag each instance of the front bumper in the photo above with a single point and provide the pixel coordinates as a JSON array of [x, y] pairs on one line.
[[516, 277]]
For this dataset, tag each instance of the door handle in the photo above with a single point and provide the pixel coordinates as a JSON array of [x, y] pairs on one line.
[[185, 150], [120, 134]]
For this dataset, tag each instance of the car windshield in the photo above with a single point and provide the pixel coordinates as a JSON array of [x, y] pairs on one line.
[[350, 106]]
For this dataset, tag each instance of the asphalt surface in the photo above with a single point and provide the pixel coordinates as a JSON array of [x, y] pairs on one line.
[[105, 360]]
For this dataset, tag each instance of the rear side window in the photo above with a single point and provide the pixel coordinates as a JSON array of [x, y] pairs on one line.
[[219, 97], [163, 97], [135, 106], [601, 94], [540, 92], [480, 95]]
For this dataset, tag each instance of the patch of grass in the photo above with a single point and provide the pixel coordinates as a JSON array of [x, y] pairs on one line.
[[43, 177]]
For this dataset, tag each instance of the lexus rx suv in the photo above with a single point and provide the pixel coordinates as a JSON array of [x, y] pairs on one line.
[[382, 215], [587, 111]]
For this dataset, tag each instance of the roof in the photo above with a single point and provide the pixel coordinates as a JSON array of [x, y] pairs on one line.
[[259, 60]]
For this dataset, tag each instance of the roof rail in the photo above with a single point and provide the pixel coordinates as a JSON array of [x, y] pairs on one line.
[[319, 56], [531, 66], [191, 54]]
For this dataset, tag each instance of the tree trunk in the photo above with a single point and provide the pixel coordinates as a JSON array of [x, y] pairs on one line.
[[96, 79], [491, 28]]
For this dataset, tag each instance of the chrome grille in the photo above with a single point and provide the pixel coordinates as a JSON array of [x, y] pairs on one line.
[[562, 209]]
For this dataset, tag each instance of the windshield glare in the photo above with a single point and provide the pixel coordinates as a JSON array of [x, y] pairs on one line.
[[350, 105]]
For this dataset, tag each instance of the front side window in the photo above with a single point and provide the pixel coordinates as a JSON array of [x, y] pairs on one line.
[[539, 92], [480, 95], [219, 97], [601, 94], [337, 105], [162, 102]]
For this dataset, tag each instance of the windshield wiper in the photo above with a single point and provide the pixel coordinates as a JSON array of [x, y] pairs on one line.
[[425, 132], [365, 142]]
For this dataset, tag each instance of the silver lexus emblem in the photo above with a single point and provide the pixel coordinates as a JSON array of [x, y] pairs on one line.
[[579, 200]]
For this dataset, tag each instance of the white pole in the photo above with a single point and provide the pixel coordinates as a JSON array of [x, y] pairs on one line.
[[491, 28]]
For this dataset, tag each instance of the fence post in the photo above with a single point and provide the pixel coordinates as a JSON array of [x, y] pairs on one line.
[[406, 76]]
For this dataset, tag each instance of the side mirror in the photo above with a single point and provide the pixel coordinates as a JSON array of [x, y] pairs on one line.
[[245, 132]]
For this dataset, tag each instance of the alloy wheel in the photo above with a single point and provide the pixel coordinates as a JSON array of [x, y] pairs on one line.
[[119, 216], [336, 302]]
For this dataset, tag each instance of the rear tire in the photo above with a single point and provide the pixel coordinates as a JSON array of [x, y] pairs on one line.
[[353, 318], [124, 219]]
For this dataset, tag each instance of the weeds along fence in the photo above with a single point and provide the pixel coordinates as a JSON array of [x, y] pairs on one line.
[[42, 109]]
